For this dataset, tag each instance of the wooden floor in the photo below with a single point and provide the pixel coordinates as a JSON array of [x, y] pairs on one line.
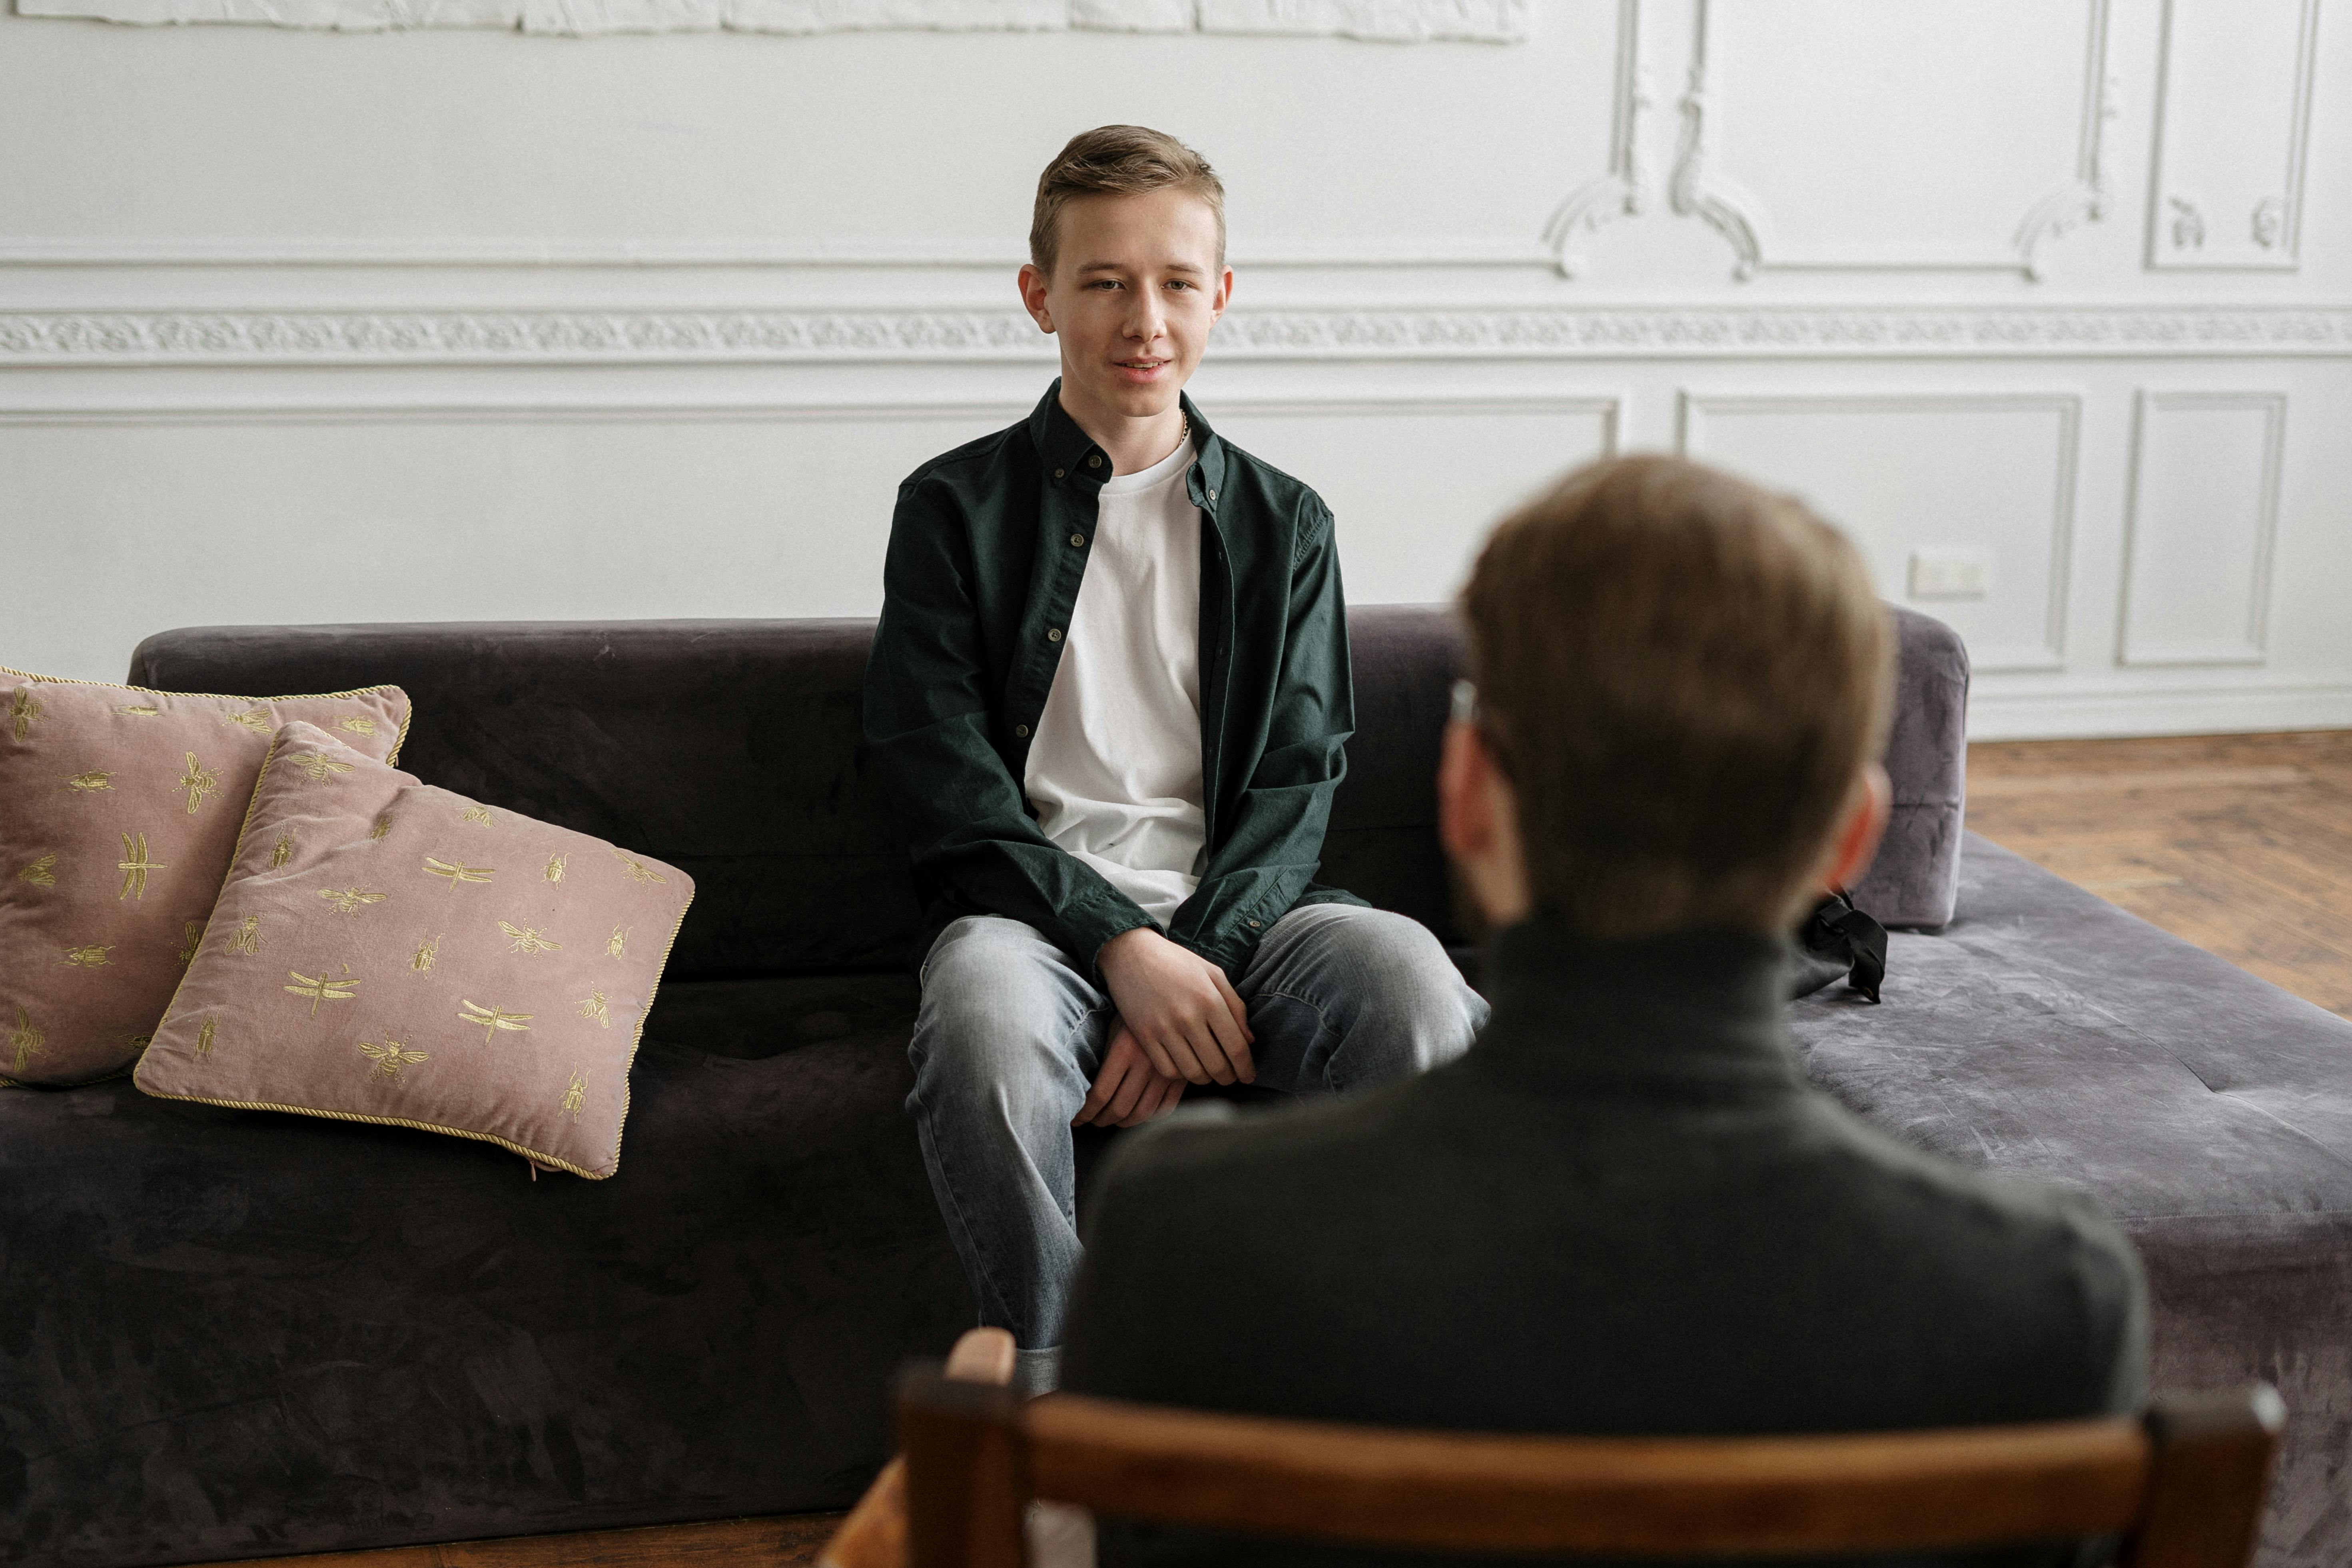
[[2241, 844]]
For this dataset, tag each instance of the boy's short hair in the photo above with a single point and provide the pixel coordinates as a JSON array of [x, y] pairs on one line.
[[1682, 675], [1118, 160]]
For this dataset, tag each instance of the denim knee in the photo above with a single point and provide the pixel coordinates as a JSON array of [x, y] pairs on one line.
[[1001, 1018]]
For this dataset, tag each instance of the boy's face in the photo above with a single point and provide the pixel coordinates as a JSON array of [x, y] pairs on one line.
[[1135, 287]]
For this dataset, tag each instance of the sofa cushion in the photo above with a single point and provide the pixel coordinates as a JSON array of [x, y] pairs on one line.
[[118, 808], [453, 967]]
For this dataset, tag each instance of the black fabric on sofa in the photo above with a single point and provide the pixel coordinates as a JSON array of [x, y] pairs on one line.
[[226, 1333]]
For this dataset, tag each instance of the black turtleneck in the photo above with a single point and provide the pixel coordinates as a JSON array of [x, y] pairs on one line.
[[1625, 1211]]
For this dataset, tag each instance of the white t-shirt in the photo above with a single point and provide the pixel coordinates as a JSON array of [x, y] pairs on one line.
[[1115, 769]]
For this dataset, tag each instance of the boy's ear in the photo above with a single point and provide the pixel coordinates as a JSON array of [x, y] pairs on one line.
[[1033, 281], [1855, 842]]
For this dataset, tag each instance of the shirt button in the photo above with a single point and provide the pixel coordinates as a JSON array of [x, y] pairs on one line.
[[1052, 634], [1021, 731], [1077, 541], [1094, 462], [1253, 925], [1213, 495], [1057, 473]]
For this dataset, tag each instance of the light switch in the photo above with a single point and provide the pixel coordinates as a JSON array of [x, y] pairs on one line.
[[1949, 574]]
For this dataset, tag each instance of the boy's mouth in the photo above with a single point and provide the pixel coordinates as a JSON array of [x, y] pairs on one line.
[[1141, 369]]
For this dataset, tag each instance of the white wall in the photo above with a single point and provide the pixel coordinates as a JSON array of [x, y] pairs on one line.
[[304, 325]]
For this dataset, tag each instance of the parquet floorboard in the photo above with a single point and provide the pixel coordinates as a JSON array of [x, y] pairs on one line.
[[2241, 844]]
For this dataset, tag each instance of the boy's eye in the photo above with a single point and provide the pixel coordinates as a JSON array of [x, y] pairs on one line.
[[1179, 283], [1104, 283]]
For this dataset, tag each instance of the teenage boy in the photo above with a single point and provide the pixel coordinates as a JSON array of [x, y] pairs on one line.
[[1625, 1210], [1108, 698]]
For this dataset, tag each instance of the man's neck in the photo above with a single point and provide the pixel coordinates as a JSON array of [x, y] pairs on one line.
[[1133, 443]]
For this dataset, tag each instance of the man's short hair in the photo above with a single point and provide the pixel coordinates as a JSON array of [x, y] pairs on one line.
[[1682, 675], [1118, 160]]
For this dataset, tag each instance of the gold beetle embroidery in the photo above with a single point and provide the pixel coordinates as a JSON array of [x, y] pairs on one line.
[[576, 1094], [90, 783], [555, 864], [426, 952], [205, 1039], [617, 944], [283, 850], [91, 957]]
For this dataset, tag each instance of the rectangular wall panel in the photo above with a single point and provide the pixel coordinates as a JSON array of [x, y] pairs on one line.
[[2230, 132], [2204, 506], [1414, 487], [1982, 479]]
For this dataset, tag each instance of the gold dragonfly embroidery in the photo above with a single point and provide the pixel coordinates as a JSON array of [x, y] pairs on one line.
[[24, 1040], [426, 952], [134, 866], [323, 987], [253, 719], [246, 937], [555, 864], [23, 709], [595, 1007], [91, 957], [456, 872], [205, 1039], [527, 939], [349, 900], [576, 1093], [140, 710], [283, 850], [317, 767], [198, 781], [41, 873], [357, 726], [494, 1019], [478, 815], [391, 1056], [383, 826], [91, 781], [192, 936], [617, 944], [638, 871]]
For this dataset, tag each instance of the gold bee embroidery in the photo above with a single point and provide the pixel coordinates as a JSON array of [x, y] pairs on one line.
[[349, 900], [617, 944], [138, 1042], [391, 1057], [478, 815], [134, 866], [594, 1007], [457, 873], [527, 939], [140, 710], [198, 781], [323, 987], [89, 783], [576, 1093], [39, 872], [358, 726], [24, 1040], [205, 1039], [555, 864], [637, 870], [24, 708], [246, 937], [92, 957], [493, 1019], [192, 933], [426, 952], [253, 719], [383, 826], [283, 850], [317, 767]]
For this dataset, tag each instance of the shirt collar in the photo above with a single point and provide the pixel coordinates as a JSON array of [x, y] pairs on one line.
[[1065, 448], [1691, 1014]]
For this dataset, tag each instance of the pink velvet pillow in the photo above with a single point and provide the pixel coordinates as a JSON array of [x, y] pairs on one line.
[[385, 950], [118, 810]]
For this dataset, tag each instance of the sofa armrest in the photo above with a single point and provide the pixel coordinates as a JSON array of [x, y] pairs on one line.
[[1916, 879]]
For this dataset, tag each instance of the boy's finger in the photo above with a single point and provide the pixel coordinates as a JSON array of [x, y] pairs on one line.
[[1233, 1047], [1234, 1003], [1205, 1036]]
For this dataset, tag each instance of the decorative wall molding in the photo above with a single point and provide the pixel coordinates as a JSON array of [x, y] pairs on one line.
[[35, 338], [2250, 644], [2046, 651], [1622, 191], [1739, 216], [2000, 710], [2260, 225], [1483, 21]]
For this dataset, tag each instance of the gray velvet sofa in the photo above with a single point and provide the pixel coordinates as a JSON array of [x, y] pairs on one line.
[[229, 1333]]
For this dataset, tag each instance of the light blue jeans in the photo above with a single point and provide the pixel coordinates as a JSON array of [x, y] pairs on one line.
[[1011, 1033]]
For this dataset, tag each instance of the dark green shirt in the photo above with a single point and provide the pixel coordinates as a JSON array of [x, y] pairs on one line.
[[987, 548]]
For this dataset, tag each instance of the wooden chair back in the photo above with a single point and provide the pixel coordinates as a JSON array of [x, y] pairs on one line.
[[2183, 1485]]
